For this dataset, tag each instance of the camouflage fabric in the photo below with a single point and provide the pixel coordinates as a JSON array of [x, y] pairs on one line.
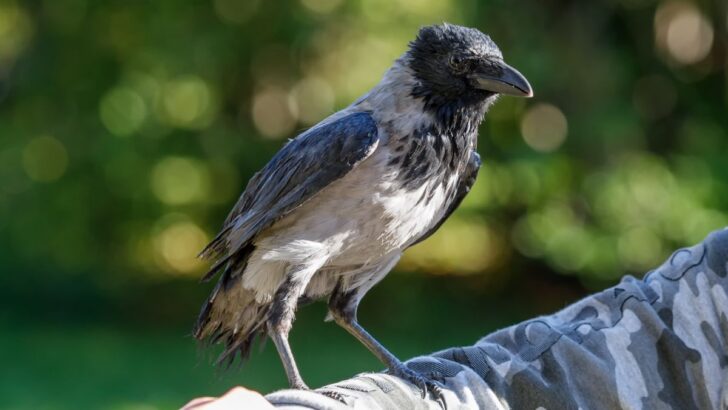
[[656, 343]]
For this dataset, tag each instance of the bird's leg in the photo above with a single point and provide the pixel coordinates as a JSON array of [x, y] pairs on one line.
[[279, 323], [280, 339], [343, 306]]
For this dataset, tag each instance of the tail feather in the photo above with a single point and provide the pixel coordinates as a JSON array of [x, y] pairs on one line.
[[215, 268], [239, 346], [237, 261], [231, 316], [217, 245]]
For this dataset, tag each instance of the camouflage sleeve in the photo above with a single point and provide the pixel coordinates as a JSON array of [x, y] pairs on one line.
[[656, 343]]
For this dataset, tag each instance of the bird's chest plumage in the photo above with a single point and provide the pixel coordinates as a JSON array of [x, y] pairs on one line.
[[423, 171]]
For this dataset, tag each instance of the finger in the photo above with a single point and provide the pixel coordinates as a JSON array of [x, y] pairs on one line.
[[198, 402], [240, 397]]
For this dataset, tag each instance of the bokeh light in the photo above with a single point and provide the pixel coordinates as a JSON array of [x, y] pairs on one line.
[[45, 159], [122, 111], [461, 247], [16, 29], [188, 103], [178, 244], [639, 249], [178, 180], [544, 127], [683, 32], [313, 98], [274, 114]]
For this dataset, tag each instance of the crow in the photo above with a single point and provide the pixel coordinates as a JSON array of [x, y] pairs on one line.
[[333, 210]]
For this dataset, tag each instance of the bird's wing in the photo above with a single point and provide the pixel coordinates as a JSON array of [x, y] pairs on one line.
[[300, 170], [466, 182]]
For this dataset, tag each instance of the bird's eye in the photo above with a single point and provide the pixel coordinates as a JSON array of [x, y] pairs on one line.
[[458, 63]]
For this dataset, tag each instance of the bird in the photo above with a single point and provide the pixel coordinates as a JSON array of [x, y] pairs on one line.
[[332, 212]]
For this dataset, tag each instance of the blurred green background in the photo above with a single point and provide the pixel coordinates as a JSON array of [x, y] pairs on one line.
[[128, 128]]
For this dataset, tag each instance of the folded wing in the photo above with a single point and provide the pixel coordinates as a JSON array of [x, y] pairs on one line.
[[305, 166]]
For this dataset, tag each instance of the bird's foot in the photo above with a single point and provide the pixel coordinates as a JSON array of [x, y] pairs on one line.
[[425, 384], [299, 385]]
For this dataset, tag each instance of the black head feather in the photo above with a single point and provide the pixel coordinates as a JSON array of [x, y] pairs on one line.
[[442, 57]]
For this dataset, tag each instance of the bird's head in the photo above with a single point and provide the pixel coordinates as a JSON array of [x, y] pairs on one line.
[[454, 64]]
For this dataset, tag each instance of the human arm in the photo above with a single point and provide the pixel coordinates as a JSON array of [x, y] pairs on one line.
[[659, 342]]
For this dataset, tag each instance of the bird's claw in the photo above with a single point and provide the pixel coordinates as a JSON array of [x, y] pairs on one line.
[[425, 384], [299, 385]]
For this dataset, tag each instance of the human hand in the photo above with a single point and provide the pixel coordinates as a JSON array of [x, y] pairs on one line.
[[236, 398]]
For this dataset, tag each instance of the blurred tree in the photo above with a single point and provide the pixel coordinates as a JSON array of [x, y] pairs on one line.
[[130, 128]]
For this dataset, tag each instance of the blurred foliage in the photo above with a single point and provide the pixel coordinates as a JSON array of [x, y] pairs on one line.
[[128, 129]]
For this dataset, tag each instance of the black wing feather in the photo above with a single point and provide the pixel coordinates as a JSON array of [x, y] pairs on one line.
[[300, 170]]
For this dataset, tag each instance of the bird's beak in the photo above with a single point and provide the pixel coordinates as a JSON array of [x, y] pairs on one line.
[[499, 77]]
